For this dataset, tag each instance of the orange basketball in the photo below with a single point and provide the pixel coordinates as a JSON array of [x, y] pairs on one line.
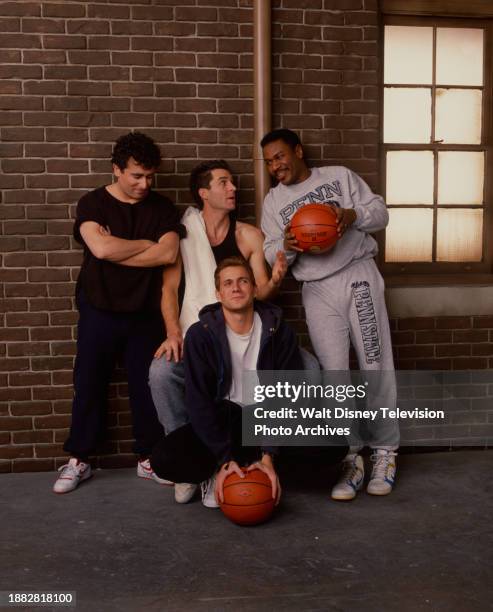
[[315, 228], [248, 501]]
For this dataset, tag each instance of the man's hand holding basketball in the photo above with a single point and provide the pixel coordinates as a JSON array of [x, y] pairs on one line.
[[227, 469], [345, 218], [290, 242], [266, 465]]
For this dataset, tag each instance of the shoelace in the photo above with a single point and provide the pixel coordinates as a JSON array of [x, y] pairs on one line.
[[350, 470], [70, 470], [382, 464], [206, 486]]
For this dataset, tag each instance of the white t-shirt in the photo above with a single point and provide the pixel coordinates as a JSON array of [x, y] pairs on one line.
[[244, 356]]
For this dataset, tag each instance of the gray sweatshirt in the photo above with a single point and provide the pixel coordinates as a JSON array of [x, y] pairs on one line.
[[337, 185]]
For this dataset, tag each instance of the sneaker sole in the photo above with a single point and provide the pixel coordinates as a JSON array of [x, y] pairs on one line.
[[379, 494], [165, 483], [70, 490], [343, 498]]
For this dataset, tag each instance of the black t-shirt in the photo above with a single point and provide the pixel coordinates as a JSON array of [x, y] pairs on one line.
[[112, 286]]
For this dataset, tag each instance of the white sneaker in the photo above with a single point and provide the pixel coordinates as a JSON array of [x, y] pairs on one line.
[[351, 479], [184, 491], [207, 487], [383, 474], [144, 470], [72, 473]]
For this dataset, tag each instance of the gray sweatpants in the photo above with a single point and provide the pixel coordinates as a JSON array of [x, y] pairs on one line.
[[349, 307]]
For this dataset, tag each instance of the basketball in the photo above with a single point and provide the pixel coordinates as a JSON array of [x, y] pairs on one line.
[[248, 501], [315, 228]]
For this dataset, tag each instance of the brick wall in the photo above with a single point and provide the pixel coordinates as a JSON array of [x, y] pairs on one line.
[[76, 75]]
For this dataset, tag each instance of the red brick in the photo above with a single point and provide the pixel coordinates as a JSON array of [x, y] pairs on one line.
[[193, 14], [132, 27], [152, 13], [108, 104], [16, 260], [53, 393], [32, 465], [473, 335], [24, 379], [20, 41], [20, 103], [88, 26], [471, 363], [108, 43], [30, 408], [15, 423], [30, 437], [44, 56], [109, 73], [453, 323], [13, 365], [152, 43], [12, 212], [52, 421], [483, 322], [45, 119], [108, 12], [93, 58], [51, 333], [133, 59], [12, 275], [50, 304], [11, 243], [51, 26], [64, 10], [13, 335], [453, 350], [66, 72], [196, 44], [485, 348], [15, 452]]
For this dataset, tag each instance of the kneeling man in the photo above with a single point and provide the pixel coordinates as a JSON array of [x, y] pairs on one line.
[[231, 336]]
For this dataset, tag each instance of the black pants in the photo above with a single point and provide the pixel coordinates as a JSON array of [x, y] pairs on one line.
[[181, 456], [102, 336]]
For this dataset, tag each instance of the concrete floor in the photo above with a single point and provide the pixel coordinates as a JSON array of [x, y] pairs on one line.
[[123, 544]]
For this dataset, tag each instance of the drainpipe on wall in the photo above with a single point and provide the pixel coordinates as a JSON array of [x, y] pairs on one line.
[[262, 96]]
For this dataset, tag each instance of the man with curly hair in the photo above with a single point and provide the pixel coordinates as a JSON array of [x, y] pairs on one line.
[[129, 232]]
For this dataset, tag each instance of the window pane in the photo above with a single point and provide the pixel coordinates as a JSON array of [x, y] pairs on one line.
[[458, 116], [459, 56], [409, 235], [460, 177], [407, 115], [409, 177], [408, 55], [459, 235]]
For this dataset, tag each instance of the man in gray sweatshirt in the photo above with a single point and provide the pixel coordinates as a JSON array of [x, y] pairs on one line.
[[343, 291]]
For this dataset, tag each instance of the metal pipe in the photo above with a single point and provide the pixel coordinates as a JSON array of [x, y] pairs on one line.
[[262, 96]]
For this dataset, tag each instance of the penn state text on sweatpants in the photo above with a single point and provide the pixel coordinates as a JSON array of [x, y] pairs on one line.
[[349, 307]]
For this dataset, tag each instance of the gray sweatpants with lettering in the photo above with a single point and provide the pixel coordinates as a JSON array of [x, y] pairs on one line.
[[349, 307]]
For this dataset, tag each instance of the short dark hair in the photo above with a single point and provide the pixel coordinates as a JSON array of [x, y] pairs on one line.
[[139, 146], [288, 136], [233, 262], [201, 177]]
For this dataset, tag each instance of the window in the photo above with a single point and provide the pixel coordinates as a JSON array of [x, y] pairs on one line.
[[436, 138]]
